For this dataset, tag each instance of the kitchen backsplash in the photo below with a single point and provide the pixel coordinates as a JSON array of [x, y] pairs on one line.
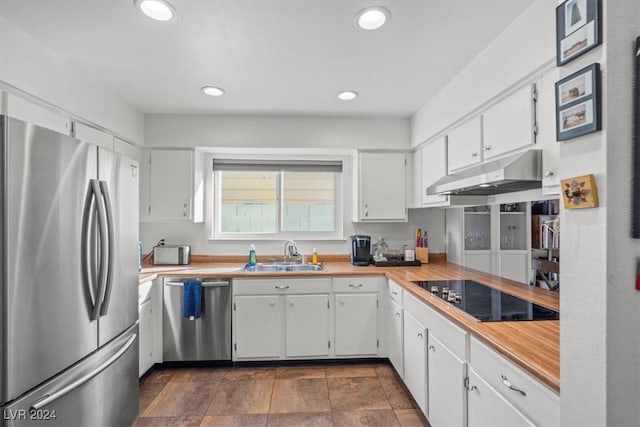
[[395, 234]]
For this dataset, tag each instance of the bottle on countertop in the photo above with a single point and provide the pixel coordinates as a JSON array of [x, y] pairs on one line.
[[252, 255], [314, 256]]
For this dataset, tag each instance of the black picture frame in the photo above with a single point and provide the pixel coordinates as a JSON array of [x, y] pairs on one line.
[[578, 109], [578, 29], [635, 226]]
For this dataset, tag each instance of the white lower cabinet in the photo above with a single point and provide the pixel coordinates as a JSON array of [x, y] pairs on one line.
[[145, 331], [395, 337], [150, 325], [307, 325], [489, 408], [537, 403], [259, 326], [415, 360], [356, 324], [447, 394], [305, 318]]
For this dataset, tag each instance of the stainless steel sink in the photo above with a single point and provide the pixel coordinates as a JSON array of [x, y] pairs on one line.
[[277, 267]]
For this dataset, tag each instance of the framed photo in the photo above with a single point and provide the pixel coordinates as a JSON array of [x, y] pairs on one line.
[[578, 103], [578, 29]]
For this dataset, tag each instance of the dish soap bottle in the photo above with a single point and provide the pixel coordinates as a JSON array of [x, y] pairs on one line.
[[252, 256], [314, 257]]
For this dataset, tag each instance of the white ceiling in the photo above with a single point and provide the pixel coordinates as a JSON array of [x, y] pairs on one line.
[[271, 56]]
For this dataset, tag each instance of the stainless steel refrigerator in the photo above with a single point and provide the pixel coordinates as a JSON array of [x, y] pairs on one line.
[[68, 271]]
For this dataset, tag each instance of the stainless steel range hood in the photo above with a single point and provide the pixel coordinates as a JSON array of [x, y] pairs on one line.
[[519, 172]]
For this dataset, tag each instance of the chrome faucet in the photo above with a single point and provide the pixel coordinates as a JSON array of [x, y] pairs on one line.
[[291, 250]]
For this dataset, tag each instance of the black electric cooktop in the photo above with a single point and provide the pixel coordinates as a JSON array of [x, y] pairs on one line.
[[485, 303]]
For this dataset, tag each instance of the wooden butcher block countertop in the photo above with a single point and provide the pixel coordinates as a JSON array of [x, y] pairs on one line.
[[532, 345]]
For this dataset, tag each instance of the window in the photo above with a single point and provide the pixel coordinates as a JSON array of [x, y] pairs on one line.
[[277, 198]]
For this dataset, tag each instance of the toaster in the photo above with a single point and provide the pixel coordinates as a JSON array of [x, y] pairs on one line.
[[171, 255]]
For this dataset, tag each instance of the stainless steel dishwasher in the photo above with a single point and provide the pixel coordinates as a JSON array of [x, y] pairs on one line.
[[205, 338]]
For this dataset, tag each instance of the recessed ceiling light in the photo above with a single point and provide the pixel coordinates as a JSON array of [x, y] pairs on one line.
[[485, 185], [160, 10], [372, 18], [348, 95], [212, 91]]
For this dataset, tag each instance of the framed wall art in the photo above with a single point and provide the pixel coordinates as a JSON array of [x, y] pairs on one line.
[[580, 192], [578, 103], [578, 29]]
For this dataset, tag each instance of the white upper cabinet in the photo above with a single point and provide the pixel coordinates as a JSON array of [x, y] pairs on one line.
[[510, 124], [29, 112], [433, 158], [382, 187], [465, 144], [167, 186]]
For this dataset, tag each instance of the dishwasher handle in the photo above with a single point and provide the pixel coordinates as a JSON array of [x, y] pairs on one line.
[[205, 284]]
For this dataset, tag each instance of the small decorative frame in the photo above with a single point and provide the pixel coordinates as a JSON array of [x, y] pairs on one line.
[[580, 192], [578, 103], [578, 29]]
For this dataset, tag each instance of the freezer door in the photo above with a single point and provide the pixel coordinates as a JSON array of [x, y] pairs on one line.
[[46, 304], [118, 176], [102, 390]]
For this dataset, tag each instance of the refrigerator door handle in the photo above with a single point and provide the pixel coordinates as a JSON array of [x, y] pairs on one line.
[[111, 244], [48, 398], [104, 248], [88, 264]]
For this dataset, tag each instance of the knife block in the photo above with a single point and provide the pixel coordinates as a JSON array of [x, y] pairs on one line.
[[422, 254]]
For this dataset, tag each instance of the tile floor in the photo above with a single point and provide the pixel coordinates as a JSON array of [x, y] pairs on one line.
[[299, 395]]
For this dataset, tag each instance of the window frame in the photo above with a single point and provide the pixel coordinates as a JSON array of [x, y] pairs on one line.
[[214, 222]]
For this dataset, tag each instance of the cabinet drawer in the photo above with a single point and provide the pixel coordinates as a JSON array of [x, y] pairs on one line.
[[357, 283], [450, 335], [395, 292], [281, 286], [538, 402]]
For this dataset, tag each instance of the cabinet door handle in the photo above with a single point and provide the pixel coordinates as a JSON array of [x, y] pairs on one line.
[[548, 173], [366, 210], [291, 303], [271, 303], [342, 302], [397, 314], [487, 148], [474, 154], [508, 384], [432, 348], [282, 286], [355, 285], [472, 388], [419, 335], [394, 292], [184, 210]]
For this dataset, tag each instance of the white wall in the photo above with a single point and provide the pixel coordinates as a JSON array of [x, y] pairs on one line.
[[623, 253], [321, 134], [524, 46], [162, 130], [31, 68]]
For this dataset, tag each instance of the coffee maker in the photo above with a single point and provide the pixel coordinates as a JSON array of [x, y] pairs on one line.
[[360, 249]]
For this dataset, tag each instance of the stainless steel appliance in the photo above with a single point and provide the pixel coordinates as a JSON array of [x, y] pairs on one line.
[[360, 249], [519, 172], [205, 338], [68, 329], [171, 255], [485, 303]]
